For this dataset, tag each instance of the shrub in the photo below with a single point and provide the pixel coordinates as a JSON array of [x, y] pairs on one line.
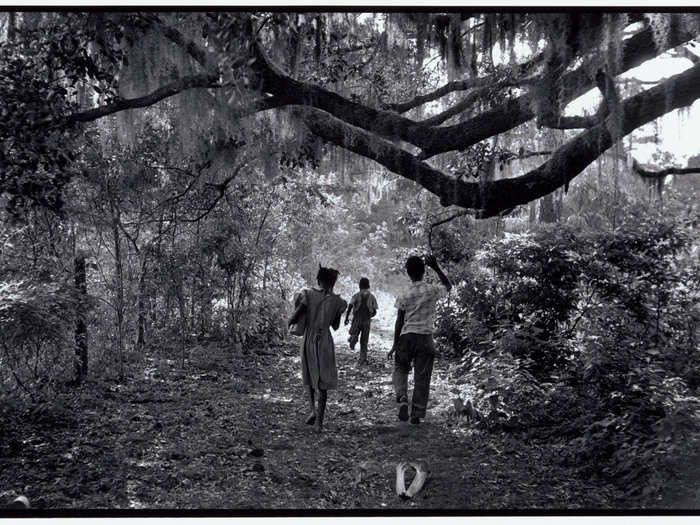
[[523, 286], [586, 337], [36, 336]]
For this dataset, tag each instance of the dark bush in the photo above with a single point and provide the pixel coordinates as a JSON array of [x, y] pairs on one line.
[[589, 338]]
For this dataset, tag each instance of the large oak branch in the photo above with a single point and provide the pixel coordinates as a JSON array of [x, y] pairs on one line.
[[435, 140], [494, 197], [376, 148], [512, 113], [381, 122]]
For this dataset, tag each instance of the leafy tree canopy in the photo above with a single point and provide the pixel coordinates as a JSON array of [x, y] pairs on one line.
[[410, 91]]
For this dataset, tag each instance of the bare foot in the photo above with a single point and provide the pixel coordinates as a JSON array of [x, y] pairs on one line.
[[318, 428]]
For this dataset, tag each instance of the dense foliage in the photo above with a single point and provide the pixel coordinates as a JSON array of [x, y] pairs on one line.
[[587, 337]]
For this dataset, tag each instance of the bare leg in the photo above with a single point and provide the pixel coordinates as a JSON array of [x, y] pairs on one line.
[[311, 419], [364, 339], [322, 397]]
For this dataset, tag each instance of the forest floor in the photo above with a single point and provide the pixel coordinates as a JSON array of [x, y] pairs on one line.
[[227, 432]]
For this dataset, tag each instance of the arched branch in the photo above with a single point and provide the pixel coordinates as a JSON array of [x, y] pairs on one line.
[[512, 113], [495, 197], [384, 123], [660, 174]]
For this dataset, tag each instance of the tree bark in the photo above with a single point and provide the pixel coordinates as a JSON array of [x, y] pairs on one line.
[[11, 26]]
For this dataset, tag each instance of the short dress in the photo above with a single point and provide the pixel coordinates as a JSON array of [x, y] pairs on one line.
[[318, 368]]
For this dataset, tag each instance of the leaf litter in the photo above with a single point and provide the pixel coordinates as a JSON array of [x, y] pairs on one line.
[[227, 432]]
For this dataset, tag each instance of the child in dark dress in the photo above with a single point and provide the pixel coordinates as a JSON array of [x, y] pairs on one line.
[[323, 309]]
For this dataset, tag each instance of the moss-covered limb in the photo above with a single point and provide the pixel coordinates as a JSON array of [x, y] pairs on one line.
[[512, 113], [495, 197], [190, 47], [381, 122], [371, 146], [575, 155], [435, 140]]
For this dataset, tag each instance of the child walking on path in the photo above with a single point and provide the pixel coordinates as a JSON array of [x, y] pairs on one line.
[[323, 309], [364, 306], [413, 336]]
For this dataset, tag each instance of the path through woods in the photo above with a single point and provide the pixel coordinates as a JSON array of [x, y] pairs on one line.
[[227, 432]]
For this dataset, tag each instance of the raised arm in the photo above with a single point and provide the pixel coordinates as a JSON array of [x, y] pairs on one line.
[[431, 261]]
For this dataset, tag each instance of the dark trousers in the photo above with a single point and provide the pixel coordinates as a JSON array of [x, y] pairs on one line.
[[360, 328], [417, 350]]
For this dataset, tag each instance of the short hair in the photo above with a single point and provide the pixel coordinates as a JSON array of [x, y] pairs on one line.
[[364, 283], [415, 267], [327, 276]]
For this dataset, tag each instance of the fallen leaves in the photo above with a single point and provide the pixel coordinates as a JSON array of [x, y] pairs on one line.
[[228, 432]]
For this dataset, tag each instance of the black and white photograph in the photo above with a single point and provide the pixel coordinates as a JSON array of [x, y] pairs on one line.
[[319, 260]]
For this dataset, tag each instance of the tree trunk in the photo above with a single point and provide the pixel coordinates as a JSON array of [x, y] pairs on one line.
[[81, 343], [547, 213], [182, 307], [141, 306], [205, 310], [264, 283], [119, 286], [11, 25]]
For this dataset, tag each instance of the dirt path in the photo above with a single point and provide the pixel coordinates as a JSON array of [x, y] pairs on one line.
[[227, 432]]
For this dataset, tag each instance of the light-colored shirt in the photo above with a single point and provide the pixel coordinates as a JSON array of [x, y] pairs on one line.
[[418, 304], [370, 302]]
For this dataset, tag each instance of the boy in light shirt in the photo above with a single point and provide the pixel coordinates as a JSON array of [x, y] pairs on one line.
[[413, 336]]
